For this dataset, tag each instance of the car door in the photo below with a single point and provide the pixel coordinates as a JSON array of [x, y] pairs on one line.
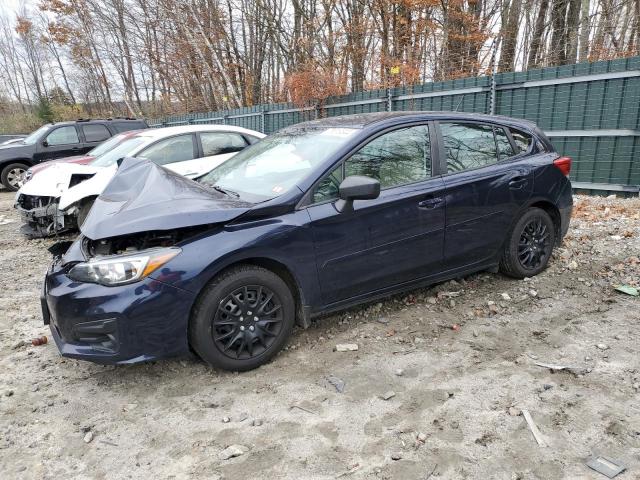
[[60, 142], [172, 152], [215, 149], [486, 185], [94, 134], [393, 239]]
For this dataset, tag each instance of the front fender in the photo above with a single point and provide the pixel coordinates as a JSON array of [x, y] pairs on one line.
[[286, 240]]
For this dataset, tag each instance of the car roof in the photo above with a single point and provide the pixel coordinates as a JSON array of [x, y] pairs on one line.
[[364, 120], [82, 121], [168, 131]]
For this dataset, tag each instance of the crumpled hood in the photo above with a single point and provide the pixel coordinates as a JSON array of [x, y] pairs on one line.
[[143, 196], [56, 179]]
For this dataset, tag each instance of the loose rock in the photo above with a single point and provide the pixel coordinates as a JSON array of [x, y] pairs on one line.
[[346, 347], [233, 451], [388, 395]]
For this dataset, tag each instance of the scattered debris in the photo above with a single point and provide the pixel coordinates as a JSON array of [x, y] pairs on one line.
[[505, 296], [534, 430], [388, 395], [422, 437], [226, 419], [455, 327], [336, 382], [602, 346], [628, 289], [303, 409], [558, 368], [353, 469], [606, 466], [39, 341], [346, 347], [399, 372], [257, 422], [396, 456], [233, 451], [88, 437], [514, 412]]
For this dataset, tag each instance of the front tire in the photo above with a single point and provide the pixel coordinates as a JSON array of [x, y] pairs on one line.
[[242, 318], [529, 246], [12, 174]]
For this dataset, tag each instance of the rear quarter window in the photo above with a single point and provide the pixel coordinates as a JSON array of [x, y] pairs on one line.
[[523, 141], [127, 126]]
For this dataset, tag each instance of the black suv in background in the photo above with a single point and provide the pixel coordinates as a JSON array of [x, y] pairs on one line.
[[58, 140]]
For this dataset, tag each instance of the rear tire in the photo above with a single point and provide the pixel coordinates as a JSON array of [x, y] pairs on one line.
[[529, 245], [242, 318], [11, 176]]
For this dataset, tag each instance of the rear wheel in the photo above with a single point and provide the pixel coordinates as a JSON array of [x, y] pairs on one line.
[[242, 319], [11, 176], [529, 246]]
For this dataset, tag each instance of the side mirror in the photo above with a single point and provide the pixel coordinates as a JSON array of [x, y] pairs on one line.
[[356, 187], [45, 143]]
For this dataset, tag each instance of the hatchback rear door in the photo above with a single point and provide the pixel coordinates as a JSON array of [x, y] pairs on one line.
[[487, 183], [384, 242]]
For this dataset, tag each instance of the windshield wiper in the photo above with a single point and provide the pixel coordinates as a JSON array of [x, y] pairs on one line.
[[229, 193]]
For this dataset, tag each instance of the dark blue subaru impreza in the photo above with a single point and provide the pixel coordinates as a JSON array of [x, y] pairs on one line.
[[315, 218]]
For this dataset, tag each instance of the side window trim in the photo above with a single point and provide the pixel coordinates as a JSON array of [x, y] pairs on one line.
[[307, 198]]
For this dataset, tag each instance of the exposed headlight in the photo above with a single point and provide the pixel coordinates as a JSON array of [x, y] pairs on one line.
[[122, 269]]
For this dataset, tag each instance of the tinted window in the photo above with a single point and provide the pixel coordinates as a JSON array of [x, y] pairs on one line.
[[170, 150], [126, 126], [395, 158], [95, 133], [505, 149], [522, 140], [468, 146], [63, 136], [328, 187], [218, 143]]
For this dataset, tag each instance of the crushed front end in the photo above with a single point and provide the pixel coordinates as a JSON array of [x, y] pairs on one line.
[[41, 217]]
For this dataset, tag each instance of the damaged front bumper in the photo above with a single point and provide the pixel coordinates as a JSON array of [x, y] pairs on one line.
[[126, 324], [41, 216]]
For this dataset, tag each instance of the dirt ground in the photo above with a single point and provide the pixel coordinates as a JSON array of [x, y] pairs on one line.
[[456, 393]]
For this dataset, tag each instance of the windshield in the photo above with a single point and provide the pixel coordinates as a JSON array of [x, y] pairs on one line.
[[104, 147], [120, 150], [272, 166], [33, 137]]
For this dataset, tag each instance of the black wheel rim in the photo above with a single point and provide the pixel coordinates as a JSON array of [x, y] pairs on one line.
[[247, 322], [534, 246]]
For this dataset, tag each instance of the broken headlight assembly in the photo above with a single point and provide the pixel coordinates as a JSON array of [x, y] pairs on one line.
[[122, 269]]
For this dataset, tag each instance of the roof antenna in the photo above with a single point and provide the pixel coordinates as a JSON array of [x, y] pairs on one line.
[[459, 103]]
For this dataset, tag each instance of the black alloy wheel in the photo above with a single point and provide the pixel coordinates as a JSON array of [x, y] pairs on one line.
[[534, 247], [529, 245], [242, 318], [247, 321]]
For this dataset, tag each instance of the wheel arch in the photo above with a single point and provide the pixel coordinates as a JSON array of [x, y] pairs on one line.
[[553, 211], [303, 315]]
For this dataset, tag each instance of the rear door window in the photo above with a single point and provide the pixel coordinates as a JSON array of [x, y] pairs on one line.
[[505, 149], [63, 136], [170, 150], [95, 133], [468, 146], [219, 143]]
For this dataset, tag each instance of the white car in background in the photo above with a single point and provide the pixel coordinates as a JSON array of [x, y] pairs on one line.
[[59, 198]]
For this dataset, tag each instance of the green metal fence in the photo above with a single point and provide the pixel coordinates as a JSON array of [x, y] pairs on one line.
[[591, 112]]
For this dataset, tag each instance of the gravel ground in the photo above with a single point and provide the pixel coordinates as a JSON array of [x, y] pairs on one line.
[[457, 364]]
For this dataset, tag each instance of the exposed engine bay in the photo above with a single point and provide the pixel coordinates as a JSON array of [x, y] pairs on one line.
[[141, 241], [41, 217]]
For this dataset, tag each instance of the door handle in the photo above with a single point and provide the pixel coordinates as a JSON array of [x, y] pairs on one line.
[[518, 183], [431, 202]]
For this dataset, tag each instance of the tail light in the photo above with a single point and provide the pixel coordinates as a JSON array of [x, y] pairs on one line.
[[564, 165]]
